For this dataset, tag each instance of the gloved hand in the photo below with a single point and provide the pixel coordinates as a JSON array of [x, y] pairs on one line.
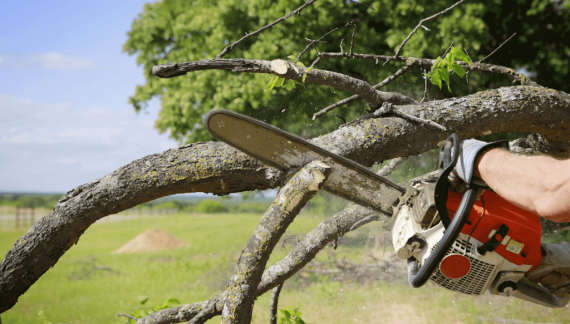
[[554, 271], [468, 152]]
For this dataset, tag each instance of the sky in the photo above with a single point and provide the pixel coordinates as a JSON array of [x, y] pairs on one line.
[[65, 119]]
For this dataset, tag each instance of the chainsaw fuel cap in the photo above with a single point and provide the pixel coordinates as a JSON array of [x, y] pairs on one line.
[[455, 266]]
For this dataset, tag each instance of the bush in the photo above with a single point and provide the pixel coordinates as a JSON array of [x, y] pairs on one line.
[[210, 206]]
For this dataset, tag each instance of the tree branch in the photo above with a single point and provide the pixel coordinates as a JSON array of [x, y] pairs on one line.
[[288, 202], [230, 47], [415, 29], [217, 168], [286, 70], [273, 304], [386, 81], [427, 63]]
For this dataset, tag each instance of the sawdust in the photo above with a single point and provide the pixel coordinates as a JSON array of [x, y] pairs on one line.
[[151, 241]]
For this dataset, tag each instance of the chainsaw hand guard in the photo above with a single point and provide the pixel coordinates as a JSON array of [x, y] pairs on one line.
[[447, 161]]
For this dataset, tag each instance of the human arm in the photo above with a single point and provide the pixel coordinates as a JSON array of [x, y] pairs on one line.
[[538, 184]]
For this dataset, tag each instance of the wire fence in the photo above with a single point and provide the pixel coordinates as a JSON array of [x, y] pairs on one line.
[[20, 218]]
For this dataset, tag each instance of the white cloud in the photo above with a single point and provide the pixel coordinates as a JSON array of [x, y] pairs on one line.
[[67, 146], [47, 61]]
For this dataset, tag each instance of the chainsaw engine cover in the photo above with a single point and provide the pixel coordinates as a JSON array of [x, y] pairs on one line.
[[468, 270]]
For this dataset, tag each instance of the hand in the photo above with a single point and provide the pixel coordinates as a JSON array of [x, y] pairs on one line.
[[554, 271], [469, 152]]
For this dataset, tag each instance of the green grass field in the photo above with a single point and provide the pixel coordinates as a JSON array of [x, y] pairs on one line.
[[66, 294]]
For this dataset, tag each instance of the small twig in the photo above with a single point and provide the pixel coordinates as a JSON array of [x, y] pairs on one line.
[[353, 32], [394, 76], [442, 57], [388, 108], [311, 43], [230, 47], [316, 61], [341, 41], [350, 99], [467, 73], [391, 166], [129, 316], [493, 52], [340, 117], [418, 26], [363, 221], [419, 120], [426, 86], [362, 4], [273, 303]]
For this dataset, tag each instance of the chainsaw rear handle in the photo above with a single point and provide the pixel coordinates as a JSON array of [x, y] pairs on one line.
[[417, 277]]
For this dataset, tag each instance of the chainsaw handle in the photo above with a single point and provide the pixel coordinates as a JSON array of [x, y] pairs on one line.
[[418, 277], [447, 161]]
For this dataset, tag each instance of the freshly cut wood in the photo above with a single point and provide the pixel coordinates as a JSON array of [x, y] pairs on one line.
[[151, 241]]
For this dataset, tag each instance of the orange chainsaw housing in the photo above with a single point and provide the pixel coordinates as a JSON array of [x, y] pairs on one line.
[[522, 242]]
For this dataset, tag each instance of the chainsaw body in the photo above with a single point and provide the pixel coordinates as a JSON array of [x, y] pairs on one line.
[[497, 245]]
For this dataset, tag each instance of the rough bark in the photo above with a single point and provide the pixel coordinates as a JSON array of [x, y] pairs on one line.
[[290, 71], [273, 304], [216, 168], [248, 271]]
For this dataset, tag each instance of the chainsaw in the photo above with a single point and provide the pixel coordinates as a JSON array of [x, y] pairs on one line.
[[472, 243]]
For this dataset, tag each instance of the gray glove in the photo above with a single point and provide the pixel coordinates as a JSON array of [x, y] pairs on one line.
[[554, 271], [468, 152]]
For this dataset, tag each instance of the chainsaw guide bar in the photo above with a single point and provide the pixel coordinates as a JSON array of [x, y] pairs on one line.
[[284, 151]]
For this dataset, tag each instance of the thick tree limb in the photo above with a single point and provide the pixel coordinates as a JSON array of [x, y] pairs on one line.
[[216, 168], [287, 70], [288, 202]]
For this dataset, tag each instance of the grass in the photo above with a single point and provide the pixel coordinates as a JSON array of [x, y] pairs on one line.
[[197, 272]]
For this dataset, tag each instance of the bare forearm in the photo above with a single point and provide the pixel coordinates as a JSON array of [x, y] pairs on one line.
[[538, 184]]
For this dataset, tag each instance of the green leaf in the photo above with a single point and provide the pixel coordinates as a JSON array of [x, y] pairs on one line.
[[300, 63], [279, 82], [136, 313], [290, 85], [174, 301], [156, 308], [444, 73], [286, 313], [458, 69], [269, 86], [450, 60], [292, 57], [164, 305], [460, 55], [131, 321], [438, 63], [435, 78], [304, 76], [143, 300]]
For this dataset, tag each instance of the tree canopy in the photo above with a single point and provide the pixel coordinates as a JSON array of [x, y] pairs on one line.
[[178, 31]]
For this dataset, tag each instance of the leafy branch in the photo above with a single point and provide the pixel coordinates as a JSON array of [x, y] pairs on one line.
[[442, 68]]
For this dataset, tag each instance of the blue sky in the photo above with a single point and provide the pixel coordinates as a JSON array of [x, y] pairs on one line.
[[64, 88]]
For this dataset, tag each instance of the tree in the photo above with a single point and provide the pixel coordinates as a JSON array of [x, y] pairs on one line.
[[180, 31], [396, 126]]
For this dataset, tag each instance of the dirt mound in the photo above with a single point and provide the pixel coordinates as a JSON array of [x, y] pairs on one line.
[[151, 241]]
